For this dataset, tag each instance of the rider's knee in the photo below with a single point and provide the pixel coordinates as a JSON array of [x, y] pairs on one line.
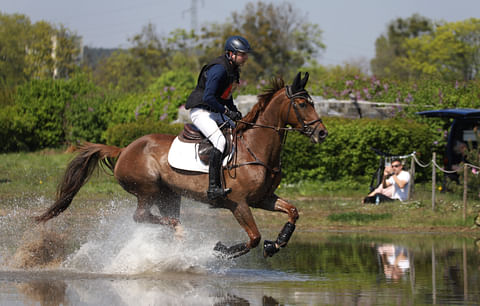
[[219, 143]]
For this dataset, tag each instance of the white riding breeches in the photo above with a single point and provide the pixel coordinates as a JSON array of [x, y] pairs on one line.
[[207, 122]]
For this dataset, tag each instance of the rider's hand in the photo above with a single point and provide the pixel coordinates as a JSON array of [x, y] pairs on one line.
[[234, 115]]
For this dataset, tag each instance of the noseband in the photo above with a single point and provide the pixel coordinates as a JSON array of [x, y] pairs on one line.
[[306, 128]]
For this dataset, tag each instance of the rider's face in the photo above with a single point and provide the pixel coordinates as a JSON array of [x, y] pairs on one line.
[[240, 58]]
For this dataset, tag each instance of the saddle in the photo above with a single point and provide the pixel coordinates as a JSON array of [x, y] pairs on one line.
[[191, 134]]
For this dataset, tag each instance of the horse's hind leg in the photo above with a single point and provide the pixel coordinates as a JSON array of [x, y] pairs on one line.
[[278, 204], [168, 204], [170, 211]]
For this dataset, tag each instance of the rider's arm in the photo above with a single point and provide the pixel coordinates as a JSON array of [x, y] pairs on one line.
[[215, 76]]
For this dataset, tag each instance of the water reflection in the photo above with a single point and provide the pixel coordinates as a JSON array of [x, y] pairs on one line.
[[315, 269], [394, 259]]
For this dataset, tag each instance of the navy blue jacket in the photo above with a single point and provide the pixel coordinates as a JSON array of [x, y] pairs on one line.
[[214, 86]]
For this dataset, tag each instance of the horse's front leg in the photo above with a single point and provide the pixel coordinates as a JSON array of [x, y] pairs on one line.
[[278, 204], [244, 216]]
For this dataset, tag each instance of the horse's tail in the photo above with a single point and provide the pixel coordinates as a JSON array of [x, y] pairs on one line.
[[77, 174]]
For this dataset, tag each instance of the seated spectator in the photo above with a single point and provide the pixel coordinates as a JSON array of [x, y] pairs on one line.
[[385, 194], [395, 176]]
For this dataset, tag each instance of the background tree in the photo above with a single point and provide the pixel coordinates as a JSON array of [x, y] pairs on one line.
[[282, 38], [26, 52], [183, 50], [122, 72], [451, 52], [13, 36], [67, 51], [390, 48], [136, 68]]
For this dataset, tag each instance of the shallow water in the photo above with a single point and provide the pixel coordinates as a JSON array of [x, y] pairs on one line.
[[101, 257]]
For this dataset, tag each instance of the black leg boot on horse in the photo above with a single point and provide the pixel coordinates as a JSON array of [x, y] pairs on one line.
[[215, 189]]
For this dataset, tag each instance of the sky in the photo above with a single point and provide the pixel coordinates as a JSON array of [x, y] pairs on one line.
[[350, 27]]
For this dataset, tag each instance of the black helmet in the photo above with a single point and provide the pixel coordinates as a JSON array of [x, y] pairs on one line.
[[237, 44]]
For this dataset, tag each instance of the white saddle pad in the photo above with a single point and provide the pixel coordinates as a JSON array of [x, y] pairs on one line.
[[184, 156]]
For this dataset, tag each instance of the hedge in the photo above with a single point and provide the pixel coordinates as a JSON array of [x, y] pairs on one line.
[[346, 153], [123, 134], [49, 113]]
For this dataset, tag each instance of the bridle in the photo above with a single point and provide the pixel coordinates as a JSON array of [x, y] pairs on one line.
[[303, 94], [306, 128]]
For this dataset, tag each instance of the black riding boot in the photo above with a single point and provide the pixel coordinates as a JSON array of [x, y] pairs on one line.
[[215, 189]]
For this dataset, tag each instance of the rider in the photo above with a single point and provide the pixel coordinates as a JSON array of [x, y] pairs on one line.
[[211, 104]]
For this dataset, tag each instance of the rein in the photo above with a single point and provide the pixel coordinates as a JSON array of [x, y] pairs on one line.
[[305, 129]]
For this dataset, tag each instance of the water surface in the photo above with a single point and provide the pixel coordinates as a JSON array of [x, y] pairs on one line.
[[101, 257]]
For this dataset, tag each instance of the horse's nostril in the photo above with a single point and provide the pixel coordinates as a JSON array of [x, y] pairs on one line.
[[322, 134]]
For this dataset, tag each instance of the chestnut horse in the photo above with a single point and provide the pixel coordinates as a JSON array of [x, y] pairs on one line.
[[254, 173]]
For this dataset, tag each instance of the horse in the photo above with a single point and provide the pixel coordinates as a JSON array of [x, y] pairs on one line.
[[254, 173]]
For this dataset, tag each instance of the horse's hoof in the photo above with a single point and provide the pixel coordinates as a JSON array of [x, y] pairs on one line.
[[221, 248], [269, 248], [231, 252]]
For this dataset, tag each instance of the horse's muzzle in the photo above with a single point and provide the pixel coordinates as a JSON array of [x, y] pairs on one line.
[[319, 135]]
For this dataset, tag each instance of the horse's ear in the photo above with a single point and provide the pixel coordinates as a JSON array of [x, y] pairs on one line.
[[296, 84], [305, 80]]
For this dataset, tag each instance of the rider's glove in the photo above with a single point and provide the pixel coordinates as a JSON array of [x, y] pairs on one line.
[[234, 115]]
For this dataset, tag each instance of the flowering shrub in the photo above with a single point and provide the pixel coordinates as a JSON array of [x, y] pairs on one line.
[[415, 95]]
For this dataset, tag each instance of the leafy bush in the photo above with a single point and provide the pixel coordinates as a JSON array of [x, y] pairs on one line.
[[52, 112], [12, 131], [347, 150], [124, 133], [41, 106], [160, 102], [87, 117]]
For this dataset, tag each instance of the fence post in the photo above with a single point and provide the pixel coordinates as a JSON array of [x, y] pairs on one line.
[[411, 185], [434, 179], [465, 190]]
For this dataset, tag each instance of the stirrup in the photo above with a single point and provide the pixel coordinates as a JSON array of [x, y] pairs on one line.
[[217, 192]]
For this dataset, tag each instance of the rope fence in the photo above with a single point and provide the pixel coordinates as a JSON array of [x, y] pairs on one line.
[[437, 166]]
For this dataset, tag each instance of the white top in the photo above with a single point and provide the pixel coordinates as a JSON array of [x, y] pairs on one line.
[[400, 193]]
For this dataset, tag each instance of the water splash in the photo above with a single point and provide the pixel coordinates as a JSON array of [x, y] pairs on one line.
[[40, 248], [129, 248]]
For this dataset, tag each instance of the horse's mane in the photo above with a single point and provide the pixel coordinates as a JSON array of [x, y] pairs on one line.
[[263, 99]]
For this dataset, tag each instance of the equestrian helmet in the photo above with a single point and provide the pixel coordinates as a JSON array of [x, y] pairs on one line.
[[237, 44]]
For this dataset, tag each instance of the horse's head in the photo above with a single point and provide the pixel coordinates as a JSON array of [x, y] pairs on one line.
[[300, 112]]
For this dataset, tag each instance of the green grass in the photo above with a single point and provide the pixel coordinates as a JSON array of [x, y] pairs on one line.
[[356, 217], [27, 174], [321, 205]]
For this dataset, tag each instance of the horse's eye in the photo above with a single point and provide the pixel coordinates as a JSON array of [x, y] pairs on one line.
[[302, 104]]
